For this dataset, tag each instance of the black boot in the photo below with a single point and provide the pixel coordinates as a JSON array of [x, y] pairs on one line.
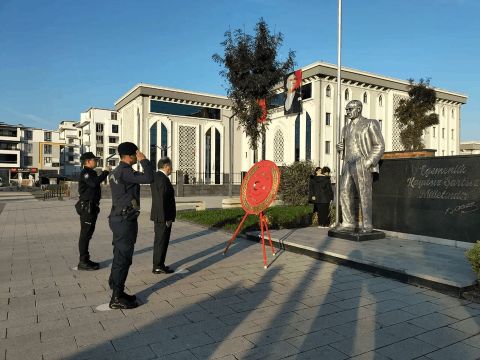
[[129, 297], [118, 301], [88, 265]]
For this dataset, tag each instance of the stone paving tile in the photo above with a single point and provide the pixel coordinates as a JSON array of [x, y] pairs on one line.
[[407, 349], [323, 353], [444, 336], [456, 352], [470, 325]]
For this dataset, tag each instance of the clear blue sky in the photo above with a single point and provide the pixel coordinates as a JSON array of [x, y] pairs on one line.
[[60, 57]]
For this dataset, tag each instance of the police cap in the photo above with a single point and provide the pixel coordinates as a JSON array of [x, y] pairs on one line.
[[127, 148], [88, 156]]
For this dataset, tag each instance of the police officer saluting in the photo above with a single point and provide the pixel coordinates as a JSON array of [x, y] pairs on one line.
[[125, 185], [88, 207]]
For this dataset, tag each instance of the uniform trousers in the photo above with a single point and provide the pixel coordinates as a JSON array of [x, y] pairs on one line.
[[87, 227], [124, 238], [356, 180], [160, 244]]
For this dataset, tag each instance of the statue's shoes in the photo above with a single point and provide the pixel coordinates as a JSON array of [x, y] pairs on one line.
[[345, 228]]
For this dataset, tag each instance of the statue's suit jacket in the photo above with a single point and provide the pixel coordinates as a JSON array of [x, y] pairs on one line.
[[368, 138]]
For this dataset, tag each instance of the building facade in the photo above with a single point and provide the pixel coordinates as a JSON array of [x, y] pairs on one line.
[[100, 134], [191, 128], [470, 148], [10, 136], [69, 136]]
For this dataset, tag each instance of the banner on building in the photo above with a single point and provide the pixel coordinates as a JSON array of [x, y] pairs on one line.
[[293, 90]]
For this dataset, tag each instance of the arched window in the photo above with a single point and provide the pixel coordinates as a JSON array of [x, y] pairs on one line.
[[278, 145], [297, 138], [164, 140], [153, 146], [328, 92], [380, 100], [308, 138], [208, 155], [347, 95], [217, 156], [365, 97], [453, 113]]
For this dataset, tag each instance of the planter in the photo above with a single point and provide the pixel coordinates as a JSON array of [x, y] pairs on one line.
[[409, 154]]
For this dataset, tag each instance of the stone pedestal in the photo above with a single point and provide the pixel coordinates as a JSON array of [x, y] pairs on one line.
[[356, 236]]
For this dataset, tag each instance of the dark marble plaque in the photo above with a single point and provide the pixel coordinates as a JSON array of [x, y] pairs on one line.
[[436, 196]]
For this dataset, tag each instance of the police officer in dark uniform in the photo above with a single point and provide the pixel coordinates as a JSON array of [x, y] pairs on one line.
[[88, 207], [125, 185]]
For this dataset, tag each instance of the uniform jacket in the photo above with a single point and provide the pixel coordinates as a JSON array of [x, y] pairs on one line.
[[125, 185], [368, 138], [89, 185], [163, 199], [321, 188]]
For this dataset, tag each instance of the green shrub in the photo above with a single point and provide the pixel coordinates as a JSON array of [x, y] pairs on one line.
[[278, 217], [294, 182], [473, 256]]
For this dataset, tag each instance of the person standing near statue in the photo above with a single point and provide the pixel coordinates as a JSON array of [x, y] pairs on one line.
[[362, 145], [125, 185], [321, 194], [88, 206]]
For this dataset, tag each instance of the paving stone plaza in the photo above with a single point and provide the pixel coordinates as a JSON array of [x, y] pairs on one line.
[[216, 307]]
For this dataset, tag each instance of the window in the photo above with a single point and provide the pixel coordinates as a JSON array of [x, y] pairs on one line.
[[443, 152], [453, 113], [99, 128], [28, 135], [112, 140], [297, 138], [71, 158], [153, 146], [443, 133], [113, 116], [79, 133], [443, 111], [47, 136], [71, 149], [380, 122], [71, 141], [347, 95], [434, 131], [8, 132], [99, 139], [164, 140], [380, 100], [164, 107], [306, 91], [328, 118], [452, 134], [27, 161], [47, 149], [365, 98], [328, 91], [100, 152], [451, 153], [112, 163], [28, 148], [327, 147], [308, 137], [47, 160], [8, 158], [115, 129], [111, 151]]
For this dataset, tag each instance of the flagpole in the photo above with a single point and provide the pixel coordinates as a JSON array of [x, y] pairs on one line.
[[339, 117]]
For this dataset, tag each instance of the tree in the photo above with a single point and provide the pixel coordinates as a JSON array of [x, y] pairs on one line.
[[251, 70], [416, 113], [294, 184]]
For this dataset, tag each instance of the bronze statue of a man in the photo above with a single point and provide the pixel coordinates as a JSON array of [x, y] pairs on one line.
[[363, 146]]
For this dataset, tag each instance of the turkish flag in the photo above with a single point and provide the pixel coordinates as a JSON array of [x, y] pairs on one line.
[[263, 105]]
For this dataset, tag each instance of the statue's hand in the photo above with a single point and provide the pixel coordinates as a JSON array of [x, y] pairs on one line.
[[368, 164], [340, 146]]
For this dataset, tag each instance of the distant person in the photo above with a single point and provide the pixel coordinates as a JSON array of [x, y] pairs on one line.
[[362, 145], [321, 194], [162, 214], [88, 207], [125, 186]]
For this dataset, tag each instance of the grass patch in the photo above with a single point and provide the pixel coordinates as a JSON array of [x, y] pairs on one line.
[[278, 217]]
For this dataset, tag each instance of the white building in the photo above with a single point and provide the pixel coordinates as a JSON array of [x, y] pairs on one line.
[[9, 150], [470, 148], [100, 134], [70, 154], [193, 128]]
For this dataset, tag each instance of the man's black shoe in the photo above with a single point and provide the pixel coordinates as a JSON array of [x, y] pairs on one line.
[[88, 265], [118, 302], [162, 270], [128, 297]]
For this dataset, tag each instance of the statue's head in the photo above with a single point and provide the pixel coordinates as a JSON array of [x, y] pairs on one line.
[[354, 109]]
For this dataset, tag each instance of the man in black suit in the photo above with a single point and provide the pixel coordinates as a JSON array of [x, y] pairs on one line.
[[162, 214]]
